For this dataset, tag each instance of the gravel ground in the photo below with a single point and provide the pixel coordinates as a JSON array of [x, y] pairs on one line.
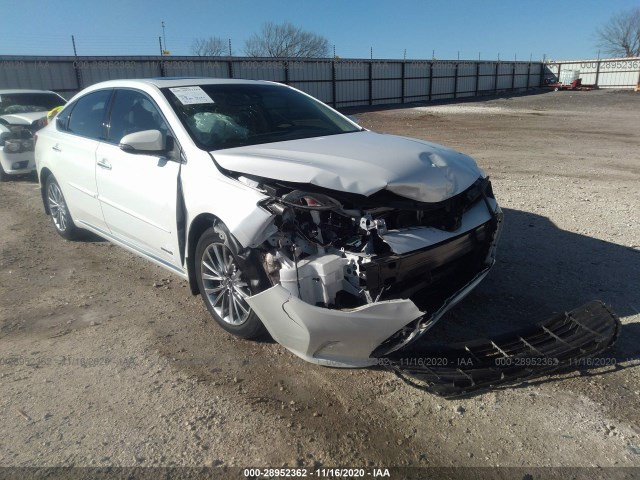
[[107, 360]]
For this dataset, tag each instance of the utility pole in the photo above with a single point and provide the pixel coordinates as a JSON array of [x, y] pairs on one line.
[[229, 47], [76, 66], [164, 38]]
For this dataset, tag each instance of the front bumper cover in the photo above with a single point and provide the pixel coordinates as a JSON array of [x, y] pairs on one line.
[[344, 338], [25, 159], [354, 338]]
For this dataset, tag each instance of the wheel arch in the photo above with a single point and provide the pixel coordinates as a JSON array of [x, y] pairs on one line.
[[249, 257], [44, 175], [197, 227]]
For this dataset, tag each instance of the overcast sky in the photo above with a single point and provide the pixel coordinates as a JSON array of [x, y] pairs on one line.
[[559, 30]]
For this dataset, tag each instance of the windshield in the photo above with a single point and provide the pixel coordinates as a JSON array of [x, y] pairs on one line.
[[234, 115], [28, 102]]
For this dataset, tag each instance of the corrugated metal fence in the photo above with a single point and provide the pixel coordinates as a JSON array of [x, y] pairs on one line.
[[607, 73], [338, 82]]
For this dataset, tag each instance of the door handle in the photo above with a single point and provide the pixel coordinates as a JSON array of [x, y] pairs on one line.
[[56, 148], [104, 164]]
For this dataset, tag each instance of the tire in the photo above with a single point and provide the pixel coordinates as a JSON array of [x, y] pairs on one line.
[[225, 280], [60, 216], [3, 176]]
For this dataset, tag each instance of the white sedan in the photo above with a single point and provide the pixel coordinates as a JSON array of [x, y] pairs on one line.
[[22, 113], [286, 216]]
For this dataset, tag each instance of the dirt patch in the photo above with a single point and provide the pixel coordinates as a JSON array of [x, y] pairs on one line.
[[102, 368]]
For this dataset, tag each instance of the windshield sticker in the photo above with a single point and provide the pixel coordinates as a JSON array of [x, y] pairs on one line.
[[191, 95]]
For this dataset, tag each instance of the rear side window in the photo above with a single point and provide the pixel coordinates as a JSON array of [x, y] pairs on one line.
[[87, 116], [62, 119]]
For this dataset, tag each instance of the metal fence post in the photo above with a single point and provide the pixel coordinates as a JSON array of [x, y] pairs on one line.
[[230, 68], [598, 73], [455, 82], [477, 78], [402, 75], [495, 86], [286, 72], [559, 70], [78, 73], [76, 67], [513, 77], [542, 72], [371, 81], [333, 84], [430, 80]]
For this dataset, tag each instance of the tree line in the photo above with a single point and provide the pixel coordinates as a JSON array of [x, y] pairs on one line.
[[618, 37], [273, 40]]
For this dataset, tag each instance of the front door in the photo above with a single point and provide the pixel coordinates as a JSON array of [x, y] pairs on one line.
[[138, 192]]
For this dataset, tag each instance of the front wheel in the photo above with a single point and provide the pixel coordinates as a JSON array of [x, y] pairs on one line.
[[225, 283], [60, 215]]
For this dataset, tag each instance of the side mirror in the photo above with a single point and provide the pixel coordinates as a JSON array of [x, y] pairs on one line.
[[146, 142]]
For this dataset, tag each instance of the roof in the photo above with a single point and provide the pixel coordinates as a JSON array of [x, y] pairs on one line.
[[174, 82], [14, 91]]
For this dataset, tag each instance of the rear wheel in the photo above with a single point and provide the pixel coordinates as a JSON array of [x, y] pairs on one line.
[[3, 175], [59, 211], [225, 282]]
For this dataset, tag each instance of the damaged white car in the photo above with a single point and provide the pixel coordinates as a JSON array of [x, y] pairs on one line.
[[22, 113], [342, 243]]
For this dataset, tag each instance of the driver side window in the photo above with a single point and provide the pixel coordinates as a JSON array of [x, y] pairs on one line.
[[133, 111]]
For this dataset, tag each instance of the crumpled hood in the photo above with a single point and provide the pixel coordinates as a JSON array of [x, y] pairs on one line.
[[23, 118], [362, 163]]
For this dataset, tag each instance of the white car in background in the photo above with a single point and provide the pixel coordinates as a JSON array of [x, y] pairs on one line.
[[22, 113], [285, 215]]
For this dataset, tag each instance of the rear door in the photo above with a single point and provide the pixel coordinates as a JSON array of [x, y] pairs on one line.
[[79, 131], [138, 192]]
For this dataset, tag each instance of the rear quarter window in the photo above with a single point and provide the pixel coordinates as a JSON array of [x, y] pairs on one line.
[[87, 115]]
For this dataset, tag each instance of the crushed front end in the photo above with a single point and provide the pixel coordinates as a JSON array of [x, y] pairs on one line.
[[356, 277], [17, 141]]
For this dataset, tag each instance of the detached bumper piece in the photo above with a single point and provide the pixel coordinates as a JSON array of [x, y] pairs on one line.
[[559, 343]]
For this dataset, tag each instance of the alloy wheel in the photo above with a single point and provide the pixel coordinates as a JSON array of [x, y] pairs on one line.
[[224, 287], [57, 207]]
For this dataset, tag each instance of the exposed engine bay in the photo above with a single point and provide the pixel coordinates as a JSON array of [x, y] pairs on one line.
[[17, 138], [344, 255], [22, 114], [339, 254]]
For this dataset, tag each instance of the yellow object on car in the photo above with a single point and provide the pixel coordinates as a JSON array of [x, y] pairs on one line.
[[53, 112]]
